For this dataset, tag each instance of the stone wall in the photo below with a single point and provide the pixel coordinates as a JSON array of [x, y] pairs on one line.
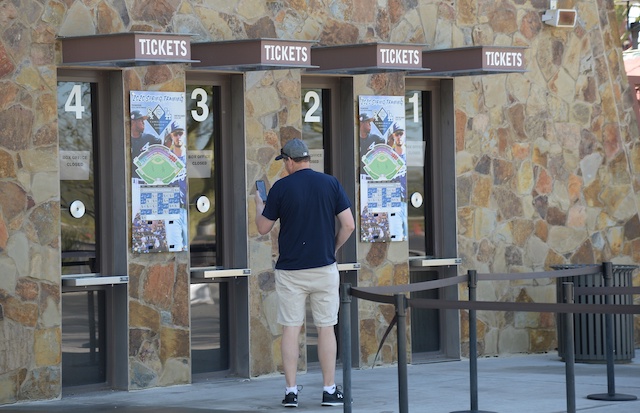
[[30, 333], [547, 163]]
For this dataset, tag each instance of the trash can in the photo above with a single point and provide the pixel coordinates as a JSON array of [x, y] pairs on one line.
[[589, 329]]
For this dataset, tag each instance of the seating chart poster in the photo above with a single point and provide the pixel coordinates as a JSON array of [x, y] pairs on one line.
[[383, 169], [158, 171]]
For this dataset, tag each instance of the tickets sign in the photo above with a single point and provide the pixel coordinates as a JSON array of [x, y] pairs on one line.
[[126, 49]]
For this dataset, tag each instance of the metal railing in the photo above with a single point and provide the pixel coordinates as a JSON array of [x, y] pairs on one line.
[[396, 295]]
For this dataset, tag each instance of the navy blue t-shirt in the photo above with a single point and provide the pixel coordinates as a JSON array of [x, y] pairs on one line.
[[306, 202]]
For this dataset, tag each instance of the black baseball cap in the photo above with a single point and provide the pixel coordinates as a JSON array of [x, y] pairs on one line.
[[136, 114], [365, 116], [295, 148]]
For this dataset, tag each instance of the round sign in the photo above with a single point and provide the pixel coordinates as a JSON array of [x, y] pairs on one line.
[[203, 204], [416, 199], [76, 209]]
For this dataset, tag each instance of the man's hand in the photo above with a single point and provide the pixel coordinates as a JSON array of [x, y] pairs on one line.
[[259, 202], [263, 224]]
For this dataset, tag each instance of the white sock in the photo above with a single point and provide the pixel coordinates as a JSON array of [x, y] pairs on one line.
[[330, 389], [293, 390]]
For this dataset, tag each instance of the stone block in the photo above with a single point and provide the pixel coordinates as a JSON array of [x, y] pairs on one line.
[[48, 347]]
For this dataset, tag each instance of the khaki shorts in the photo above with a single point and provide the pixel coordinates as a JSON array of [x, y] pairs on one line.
[[320, 284]]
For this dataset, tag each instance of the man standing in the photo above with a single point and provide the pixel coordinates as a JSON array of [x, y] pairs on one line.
[[307, 203]]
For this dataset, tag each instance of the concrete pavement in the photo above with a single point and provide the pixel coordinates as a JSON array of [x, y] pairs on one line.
[[507, 384]]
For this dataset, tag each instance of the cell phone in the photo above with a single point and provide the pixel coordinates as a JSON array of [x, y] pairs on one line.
[[262, 190]]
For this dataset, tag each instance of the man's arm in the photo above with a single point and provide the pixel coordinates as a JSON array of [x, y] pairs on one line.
[[263, 223], [347, 225]]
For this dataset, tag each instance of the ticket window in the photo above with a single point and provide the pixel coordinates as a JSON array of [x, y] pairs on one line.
[[322, 129], [77, 179], [217, 230], [83, 321], [90, 276], [203, 138], [316, 124], [431, 210]]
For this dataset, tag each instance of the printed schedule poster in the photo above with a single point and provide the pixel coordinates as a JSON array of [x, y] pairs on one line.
[[383, 169], [158, 171]]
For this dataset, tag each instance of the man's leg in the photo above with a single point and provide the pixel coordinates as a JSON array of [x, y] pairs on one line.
[[290, 353], [327, 349]]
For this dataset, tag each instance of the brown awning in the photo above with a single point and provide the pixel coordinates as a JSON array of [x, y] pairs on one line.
[[475, 60], [126, 49], [252, 54], [364, 58]]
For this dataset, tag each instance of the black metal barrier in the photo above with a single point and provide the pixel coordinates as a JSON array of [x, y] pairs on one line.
[[396, 295], [589, 340]]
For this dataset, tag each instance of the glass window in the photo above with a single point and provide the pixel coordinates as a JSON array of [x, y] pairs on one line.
[[83, 320], [203, 130], [426, 338], [209, 301], [314, 125], [79, 223], [418, 175]]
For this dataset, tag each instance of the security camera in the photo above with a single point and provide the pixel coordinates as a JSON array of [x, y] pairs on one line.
[[560, 17]]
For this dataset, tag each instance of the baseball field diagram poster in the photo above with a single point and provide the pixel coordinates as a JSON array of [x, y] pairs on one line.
[[383, 169], [158, 171]]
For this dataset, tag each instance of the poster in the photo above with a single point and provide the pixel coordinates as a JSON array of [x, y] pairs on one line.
[[158, 171], [383, 169]]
